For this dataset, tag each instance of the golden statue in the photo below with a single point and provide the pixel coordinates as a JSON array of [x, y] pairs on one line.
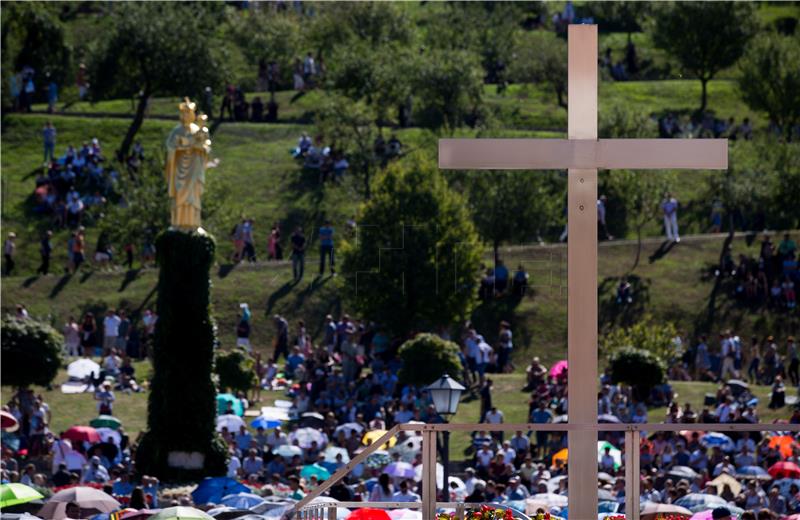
[[188, 148]]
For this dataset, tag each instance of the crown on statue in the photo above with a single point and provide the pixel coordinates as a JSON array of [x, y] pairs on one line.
[[187, 106]]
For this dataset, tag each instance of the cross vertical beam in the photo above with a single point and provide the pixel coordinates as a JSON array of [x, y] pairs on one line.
[[582, 275]]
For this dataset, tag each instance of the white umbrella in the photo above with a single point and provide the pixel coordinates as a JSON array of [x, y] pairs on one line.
[[305, 436], [230, 421], [333, 451], [281, 403], [287, 451], [272, 412], [341, 512], [348, 428], [439, 474], [83, 368], [554, 483], [400, 470], [551, 499], [90, 500], [405, 514], [105, 433], [408, 448]]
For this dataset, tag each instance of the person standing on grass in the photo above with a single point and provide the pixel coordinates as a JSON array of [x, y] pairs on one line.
[[326, 247], [9, 248], [670, 208], [49, 137], [45, 250], [110, 331], [298, 253]]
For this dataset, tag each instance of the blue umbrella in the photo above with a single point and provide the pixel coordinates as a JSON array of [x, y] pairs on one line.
[[263, 422], [753, 472], [222, 404], [212, 489], [715, 439], [785, 483], [242, 500]]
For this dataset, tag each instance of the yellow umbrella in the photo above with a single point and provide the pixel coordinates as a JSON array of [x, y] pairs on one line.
[[723, 479], [374, 435], [562, 455]]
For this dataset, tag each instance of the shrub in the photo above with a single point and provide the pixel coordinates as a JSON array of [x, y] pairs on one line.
[[638, 368], [31, 352], [426, 357], [235, 371], [656, 338]]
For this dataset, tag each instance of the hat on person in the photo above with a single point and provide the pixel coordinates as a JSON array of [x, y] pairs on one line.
[[11, 234], [470, 470], [243, 305], [720, 513]]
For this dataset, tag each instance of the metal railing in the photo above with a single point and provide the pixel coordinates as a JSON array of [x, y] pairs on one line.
[[305, 510]]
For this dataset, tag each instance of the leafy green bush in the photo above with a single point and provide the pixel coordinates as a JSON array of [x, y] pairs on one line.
[[426, 357], [235, 371], [647, 335], [638, 368], [31, 352]]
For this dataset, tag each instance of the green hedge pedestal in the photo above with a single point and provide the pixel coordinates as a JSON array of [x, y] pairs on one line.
[[181, 442]]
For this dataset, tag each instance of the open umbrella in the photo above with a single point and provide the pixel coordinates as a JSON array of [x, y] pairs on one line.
[[439, 474], [551, 499], [400, 470], [378, 459], [652, 510], [559, 368], [683, 472], [332, 452], [287, 451], [315, 470], [264, 422], [708, 513], [242, 500], [141, 514], [82, 368], [14, 493], [109, 435], [91, 501], [753, 472], [562, 455], [408, 448], [348, 428], [614, 452], [341, 512], [784, 443], [726, 480], [608, 418], [82, 433], [306, 436], [367, 513], [405, 514], [374, 435], [230, 421], [312, 420], [229, 402], [784, 469], [181, 513], [717, 440], [212, 489], [8, 422], [785, 483], [106, 421], [696, 502]]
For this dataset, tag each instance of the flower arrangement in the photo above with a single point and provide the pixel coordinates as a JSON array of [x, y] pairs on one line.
[[484, 513]]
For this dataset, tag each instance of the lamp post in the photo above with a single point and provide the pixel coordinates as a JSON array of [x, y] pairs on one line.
[[446, 395]]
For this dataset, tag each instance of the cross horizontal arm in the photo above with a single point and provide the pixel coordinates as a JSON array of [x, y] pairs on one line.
[[560, 154]]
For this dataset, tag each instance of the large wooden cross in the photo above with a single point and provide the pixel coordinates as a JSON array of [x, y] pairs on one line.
[[582, 154]]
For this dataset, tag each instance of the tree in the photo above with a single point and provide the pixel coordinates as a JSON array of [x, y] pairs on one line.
[[648, 335], [416, 254], [31, 352], [770, 79], [34, 36], [512, 206], [351, 125], [425, 358], [155, 48], [640, 369], [541, 57], [705, 37], [267, 35], [235, 371], [619, 16], [448, 89]]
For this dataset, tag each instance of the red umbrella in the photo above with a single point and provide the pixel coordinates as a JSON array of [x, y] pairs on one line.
[[82, 433], [8, 422], [784, 470], [369, 514]]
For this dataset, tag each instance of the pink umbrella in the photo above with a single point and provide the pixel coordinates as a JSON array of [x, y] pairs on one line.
[[559, 368], [703, 515]]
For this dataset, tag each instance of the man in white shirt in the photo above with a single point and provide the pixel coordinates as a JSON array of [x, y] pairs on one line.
[[508, 452], [233, 466], [484, 358], [473, 352], [110, 330], [404, 494], [469, 482], [494, 416], [276, 438], [484, 456], [520, 443], [670, 208], [607, 461]]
